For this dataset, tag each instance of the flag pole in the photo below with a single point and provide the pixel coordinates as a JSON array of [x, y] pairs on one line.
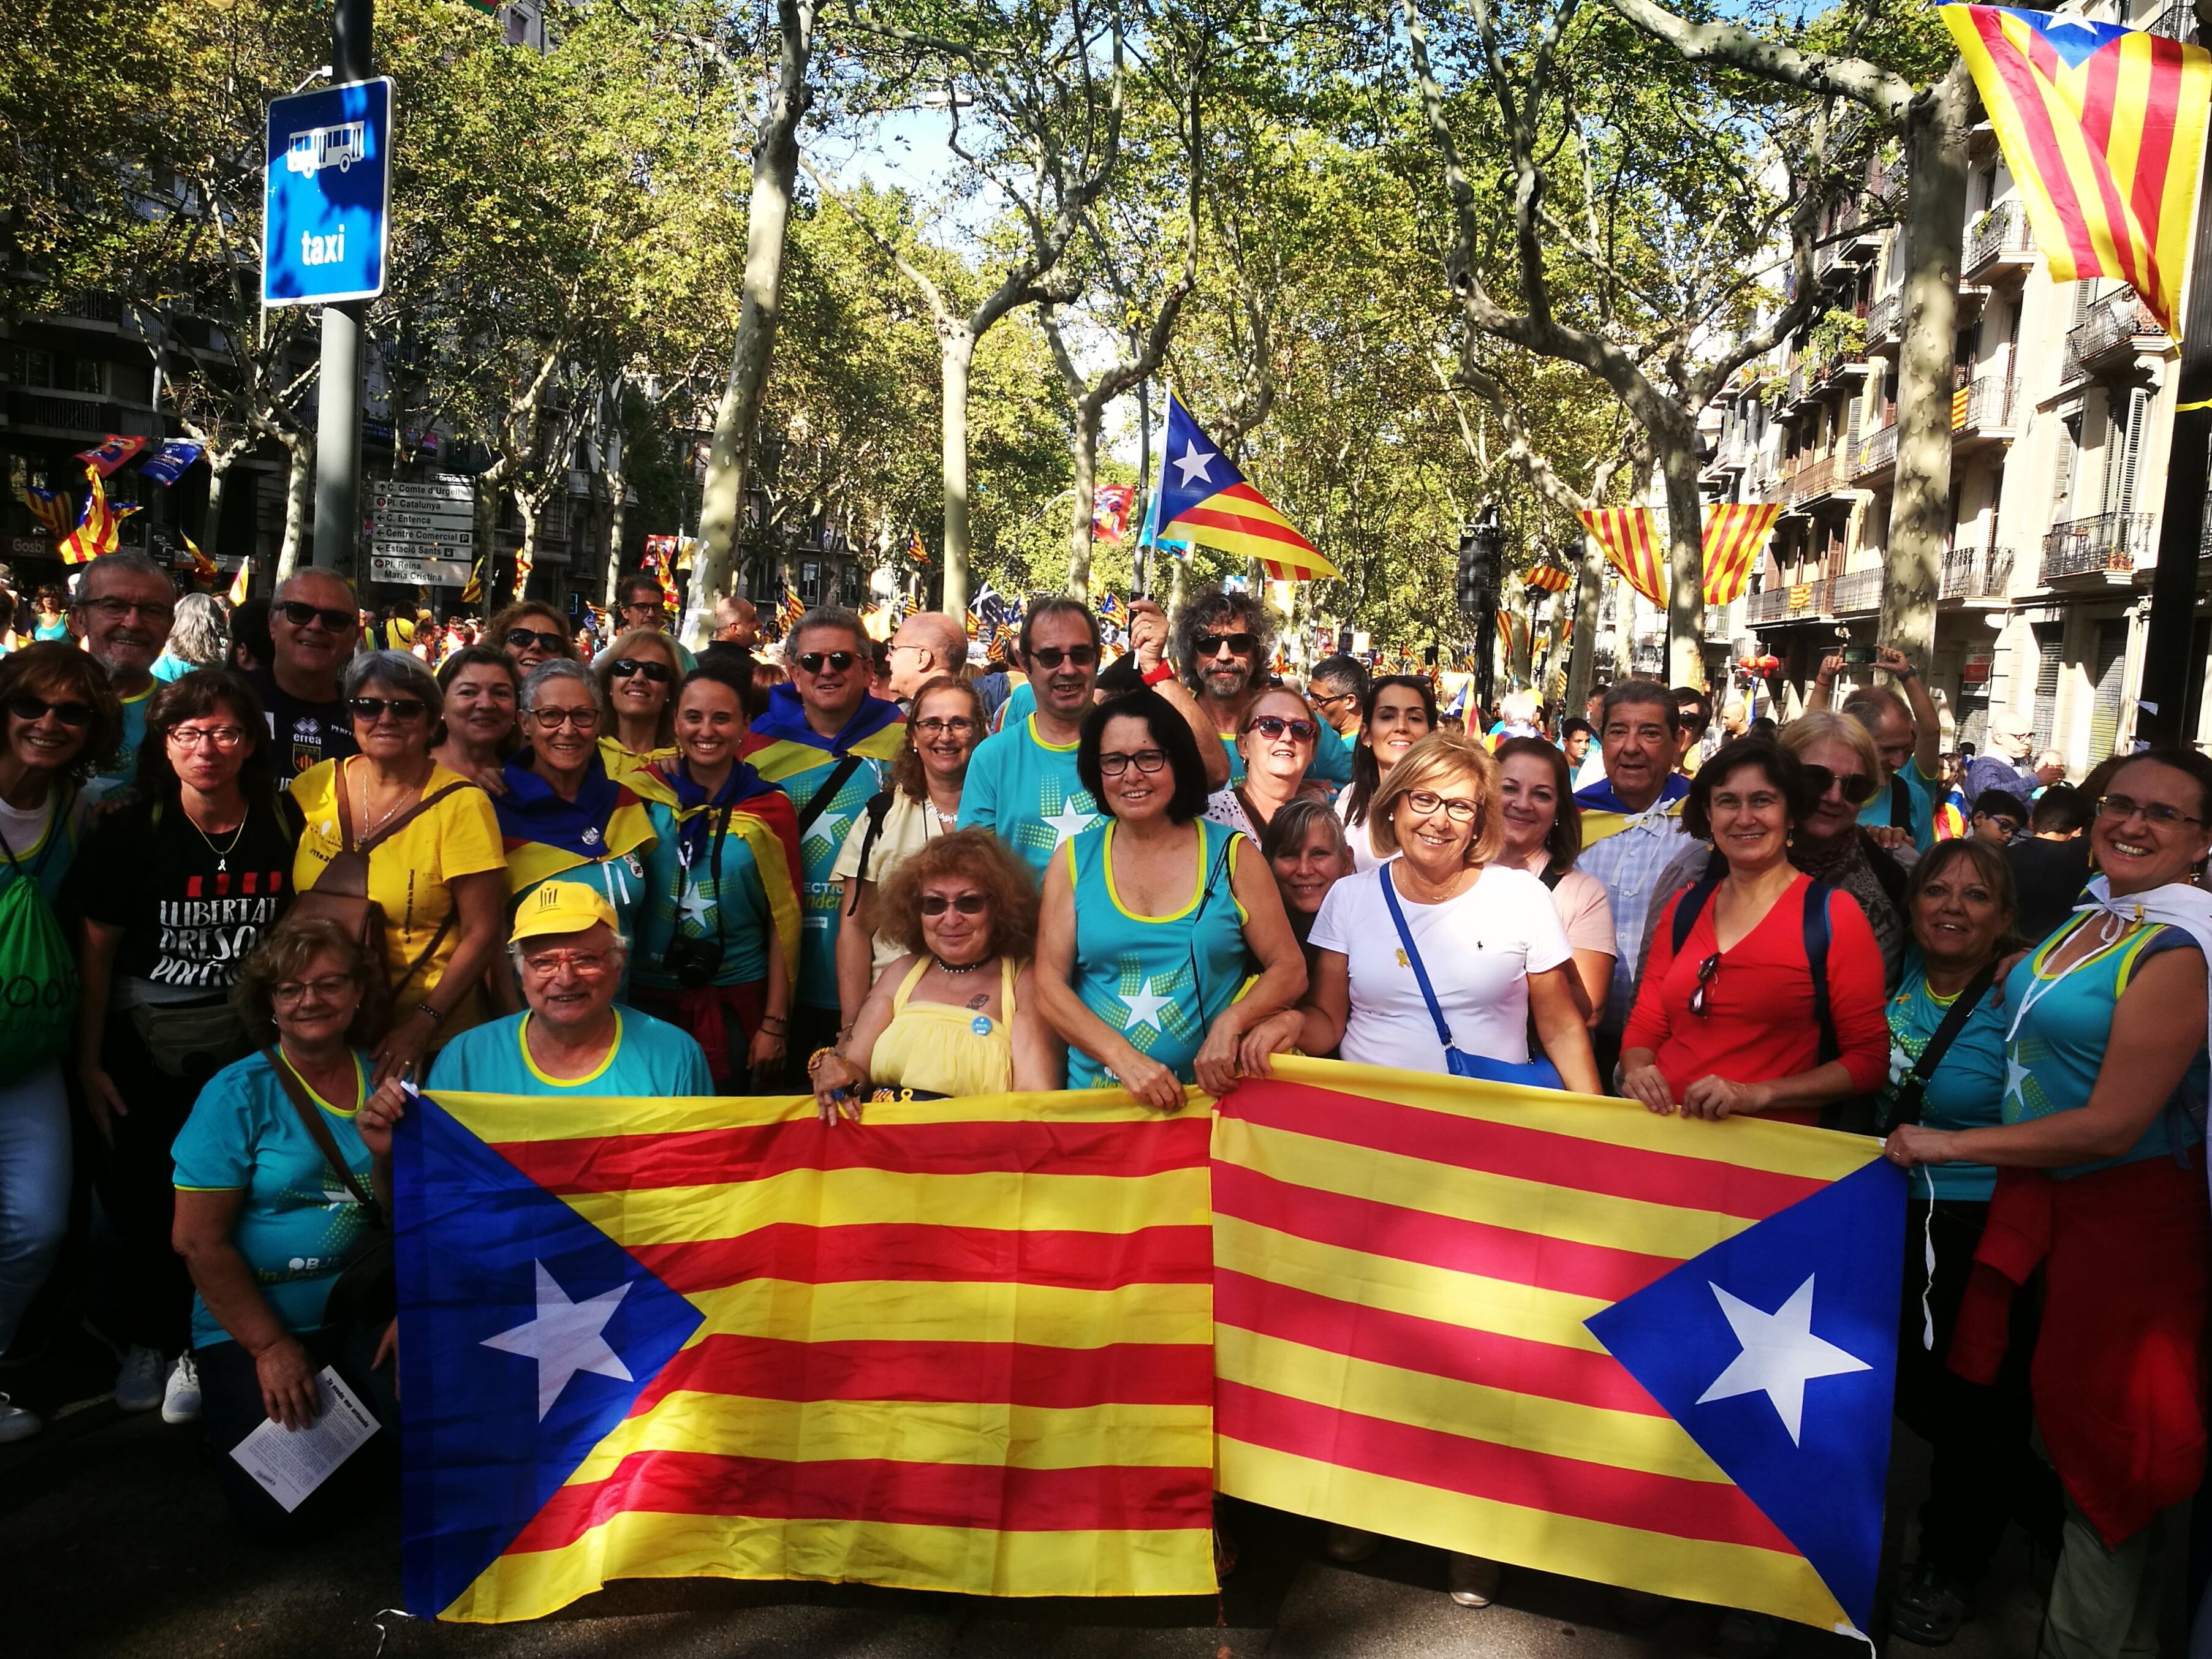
[[2164, 696]]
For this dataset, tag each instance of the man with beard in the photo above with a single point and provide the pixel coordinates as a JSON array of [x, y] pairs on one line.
[[312, 624], [123, 611], [1223, 645]]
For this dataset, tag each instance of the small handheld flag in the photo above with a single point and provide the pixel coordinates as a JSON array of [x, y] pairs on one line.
[[1204, 494], [112, 452], [99, 531], [51, 508], [522, 563], [473, 592], [1109, 511], [243, 582], [204, 569], [171, 461]]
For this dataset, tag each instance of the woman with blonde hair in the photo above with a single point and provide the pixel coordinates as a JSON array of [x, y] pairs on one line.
[[640, 673]]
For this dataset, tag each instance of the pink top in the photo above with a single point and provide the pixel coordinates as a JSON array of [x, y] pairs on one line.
[[1584, 910]]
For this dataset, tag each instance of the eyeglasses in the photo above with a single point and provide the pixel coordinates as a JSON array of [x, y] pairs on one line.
[[1051, 656], [549, 963], [373, 709], [1272, 727], [522, 638], [1458, 807], [1113, 763], [328, 988], [551, 719], [837, 661], [191, 736], [1320, 701], [957, 725], [1212, 645], [25, 707], [299, 615], [968, 904], [655, 607], [116, 610], [1708, 971], [2156, 814], [1856, 787], [657, 673]]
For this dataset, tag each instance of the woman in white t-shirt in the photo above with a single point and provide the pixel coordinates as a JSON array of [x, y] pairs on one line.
[[1544, 837]]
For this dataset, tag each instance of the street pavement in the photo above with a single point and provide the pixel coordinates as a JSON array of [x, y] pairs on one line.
[[114, 1545]]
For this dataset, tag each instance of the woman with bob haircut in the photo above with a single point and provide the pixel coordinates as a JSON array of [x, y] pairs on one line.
[[638, 674], [1152, 920], [482, 690], [1544, 837], [956, 1014]]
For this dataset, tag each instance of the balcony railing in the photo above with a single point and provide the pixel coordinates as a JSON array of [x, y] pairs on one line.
[[2113, 324], [1815, 478], [1860, 590], [1886, 317], [63, 414], [2176, 23], [1984, 405], [2106, 543], [2002, 236], [92, 306], [1977, 573], [1876, 451]]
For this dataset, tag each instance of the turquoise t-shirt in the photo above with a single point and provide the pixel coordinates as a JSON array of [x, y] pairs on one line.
[[1024, 791], [649, 1058], [1159, 980], [1020, 704], [1920, 792], [1966, 1092], [126, 765], [821, 898], [299, 1227], [2062, 1027], [168, 668], [620, 880], [694, 902]]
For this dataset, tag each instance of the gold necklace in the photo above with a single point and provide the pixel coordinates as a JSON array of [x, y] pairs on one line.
[[388, 813]]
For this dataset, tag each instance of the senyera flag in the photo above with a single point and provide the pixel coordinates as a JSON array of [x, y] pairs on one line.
[[1630, 539], [1560, 1331], [1736, 536], [1203, 496], [963, 1345]]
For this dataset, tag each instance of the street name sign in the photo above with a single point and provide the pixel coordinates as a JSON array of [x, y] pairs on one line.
[[326, 207]]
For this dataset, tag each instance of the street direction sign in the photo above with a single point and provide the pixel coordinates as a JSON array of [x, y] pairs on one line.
[[445, 489], [424, 573], [327, 194], [461, 521]]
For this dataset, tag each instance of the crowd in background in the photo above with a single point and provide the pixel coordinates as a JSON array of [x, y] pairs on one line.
[[287, 858]]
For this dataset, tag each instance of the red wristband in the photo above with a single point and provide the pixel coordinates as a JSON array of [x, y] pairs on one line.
[[1163, 671]]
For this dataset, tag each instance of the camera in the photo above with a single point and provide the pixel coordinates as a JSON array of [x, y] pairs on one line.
[[693, 962]]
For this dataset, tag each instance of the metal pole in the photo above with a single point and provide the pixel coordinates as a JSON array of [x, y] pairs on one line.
[[2166, 665], [338, 397]]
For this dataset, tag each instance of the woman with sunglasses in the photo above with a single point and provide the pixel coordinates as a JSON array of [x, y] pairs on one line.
[[1275, 747], [1843, 769], [1398, 711], [639, 673], [563, 817], [532, 634], [436, 867], [61, 721], [2100, 1197], [484, 708], [956, 1013]]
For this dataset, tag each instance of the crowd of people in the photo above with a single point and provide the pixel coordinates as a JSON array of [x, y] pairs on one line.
[[285, 862]]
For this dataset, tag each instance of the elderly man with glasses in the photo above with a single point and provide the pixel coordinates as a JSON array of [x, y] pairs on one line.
[[314, 623], [124, 608]]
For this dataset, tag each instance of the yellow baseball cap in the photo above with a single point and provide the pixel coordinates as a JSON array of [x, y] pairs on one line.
[[561, 907]]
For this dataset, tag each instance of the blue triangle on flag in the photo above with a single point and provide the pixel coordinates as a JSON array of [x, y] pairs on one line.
[[1192, 466], [1796, 1315], [476, 1244], [2076, 39]]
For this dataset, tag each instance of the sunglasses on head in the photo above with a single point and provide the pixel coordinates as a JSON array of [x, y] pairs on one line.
[[523, 638], [968, 904], [25, 707], [1856, 788], [657, 673], [373, 709], [835, 661], [299, 614], [1051, 656], [1272, 727], [1210, 645]]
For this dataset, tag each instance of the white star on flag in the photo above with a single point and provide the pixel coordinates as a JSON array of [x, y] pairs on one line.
[[1070, 821], [1192, 464], [565, 1338], [1145, 1008], [1780, 1355]]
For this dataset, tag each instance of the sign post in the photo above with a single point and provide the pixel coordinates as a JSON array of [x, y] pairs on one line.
[[423, 534]]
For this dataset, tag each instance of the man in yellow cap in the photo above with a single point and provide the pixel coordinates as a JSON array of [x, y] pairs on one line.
[[569, 954]]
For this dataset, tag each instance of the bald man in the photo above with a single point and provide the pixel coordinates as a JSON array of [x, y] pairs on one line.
[[928, 643]]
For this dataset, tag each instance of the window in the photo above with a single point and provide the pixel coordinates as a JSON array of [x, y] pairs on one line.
[[2110, 667], [2050, 638]]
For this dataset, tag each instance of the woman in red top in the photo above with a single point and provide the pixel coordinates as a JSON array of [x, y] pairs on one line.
[[1728, 1024]]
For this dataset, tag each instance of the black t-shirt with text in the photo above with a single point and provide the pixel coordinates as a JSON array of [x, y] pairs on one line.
[[304, 734], [191, 907]]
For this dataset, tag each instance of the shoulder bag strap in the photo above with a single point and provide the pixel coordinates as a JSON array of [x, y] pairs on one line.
[[1913, 1090], [311, 1117], [1816, 960], [818, 803], [404, 819], [878, 809], [1690, 907], [1413, 960]]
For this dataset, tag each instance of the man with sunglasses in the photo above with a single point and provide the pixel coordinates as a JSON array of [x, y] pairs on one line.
[[829, 745], [1223, 645], [123, 611], [313, 624], [1021, 783], [1908, 736], [639, 602]]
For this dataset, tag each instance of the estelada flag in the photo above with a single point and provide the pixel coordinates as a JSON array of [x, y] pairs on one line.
[[2104, 128], [1203, 496], [1630, 537], [1560, 1331], [965, 1346], [112, 452], [1735, 535], [473, 592], [51, 508], [99, 531]]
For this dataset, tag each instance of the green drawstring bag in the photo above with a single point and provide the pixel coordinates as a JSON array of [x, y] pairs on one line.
[[38, 974]]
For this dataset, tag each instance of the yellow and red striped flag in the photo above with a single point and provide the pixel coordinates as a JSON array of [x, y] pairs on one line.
[[1735, 535], [204, 569], [472, 594], [99, 531], [965, 1346], [242, 583], [1551, 578], [1630, 537], [1204, 495], [1513, 1322], [2104, 129]]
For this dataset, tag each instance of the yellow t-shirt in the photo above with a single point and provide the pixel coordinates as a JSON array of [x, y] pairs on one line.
[[407, 875]]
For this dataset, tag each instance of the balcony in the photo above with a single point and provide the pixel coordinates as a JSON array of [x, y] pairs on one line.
[[1977, 575], [43, 410], [1856, 594], [1886, 318], [1983, 408], [2104, 548], [91, 306], [2000, 241], [1821, 477], [2176, 23], [1874, 455], [2107, 339], [1787, 602]]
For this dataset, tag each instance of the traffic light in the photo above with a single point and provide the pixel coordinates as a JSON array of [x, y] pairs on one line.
[[1482, 547]]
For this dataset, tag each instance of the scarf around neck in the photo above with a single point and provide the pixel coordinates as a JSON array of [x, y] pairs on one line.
[[530, 811], [695, 809], [785, 721]]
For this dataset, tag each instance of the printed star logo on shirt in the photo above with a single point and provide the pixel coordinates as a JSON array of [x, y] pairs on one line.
[[695, 906], [1780, 1355], [832, 825], [1192, 464], [1070, 821], [565, 1337], [1144, 1005]]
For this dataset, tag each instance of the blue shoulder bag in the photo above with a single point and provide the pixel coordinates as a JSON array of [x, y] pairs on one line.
[[1533, 1074]]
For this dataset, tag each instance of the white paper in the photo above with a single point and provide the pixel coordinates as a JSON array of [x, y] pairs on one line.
[[293, 1462]]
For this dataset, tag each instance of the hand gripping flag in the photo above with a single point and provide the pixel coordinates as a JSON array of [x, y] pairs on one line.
[[1205, 496], [1736, 536], [1630, 539], [1560, 1331], [99, 531], [965, 1346], [2104, 128]]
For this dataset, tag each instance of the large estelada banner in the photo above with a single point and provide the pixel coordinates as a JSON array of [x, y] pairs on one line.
[[1013, 1346]]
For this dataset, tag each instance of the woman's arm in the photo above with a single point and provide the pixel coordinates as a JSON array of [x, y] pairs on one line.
[[2158, 1029], [772, 1042], [95, 982], [856, 945], [1717, 1098], [841, 1077], [202, 1236], [1592, 983], [1316, 1026], [1282, 978], [1641, 1081], [478, 899], [1144, 1077], [1039, 1059], [1561, 1025]]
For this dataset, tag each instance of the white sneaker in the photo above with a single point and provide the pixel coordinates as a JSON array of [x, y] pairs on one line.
[[16, 1423], [181, 1400], [138, 1384]]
